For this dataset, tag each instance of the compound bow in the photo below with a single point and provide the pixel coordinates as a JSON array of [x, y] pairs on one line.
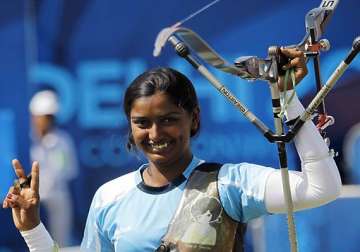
[[268, 69]]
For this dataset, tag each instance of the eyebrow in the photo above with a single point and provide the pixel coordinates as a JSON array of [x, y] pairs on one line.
[[165, 115]]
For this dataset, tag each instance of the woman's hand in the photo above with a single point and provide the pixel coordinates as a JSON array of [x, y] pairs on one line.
[[24, 200], [297, 62]]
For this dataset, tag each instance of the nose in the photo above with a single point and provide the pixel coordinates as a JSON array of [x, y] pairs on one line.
[[155, 132]]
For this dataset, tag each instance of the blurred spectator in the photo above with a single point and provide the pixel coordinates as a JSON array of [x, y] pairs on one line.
[[55, 151]]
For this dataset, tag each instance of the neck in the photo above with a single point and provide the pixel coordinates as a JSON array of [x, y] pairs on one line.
[[158, 175], [42, 133]]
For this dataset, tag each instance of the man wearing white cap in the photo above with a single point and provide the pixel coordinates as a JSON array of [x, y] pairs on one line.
[[54, 149]]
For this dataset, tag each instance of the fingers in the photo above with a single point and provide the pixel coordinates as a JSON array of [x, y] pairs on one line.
[[7, 201], [16, 197], [292, 52], [299, 66], [34, 185], [297, 62], [16, 201], [19, 171], [300, 73], [297, 58]]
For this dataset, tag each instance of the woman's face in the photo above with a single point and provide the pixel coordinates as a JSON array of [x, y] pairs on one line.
[[161, 130]]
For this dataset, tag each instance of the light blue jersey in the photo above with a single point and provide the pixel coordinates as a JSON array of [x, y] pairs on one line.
[[127, 215]]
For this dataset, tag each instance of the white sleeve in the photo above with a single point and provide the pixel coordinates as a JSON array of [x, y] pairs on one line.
[[318, 182], [39, 240]]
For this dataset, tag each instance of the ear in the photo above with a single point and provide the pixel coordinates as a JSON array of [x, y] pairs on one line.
[[130, 145], [195, 123]]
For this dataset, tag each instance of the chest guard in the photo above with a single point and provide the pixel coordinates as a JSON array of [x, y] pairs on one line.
[[200, 222]]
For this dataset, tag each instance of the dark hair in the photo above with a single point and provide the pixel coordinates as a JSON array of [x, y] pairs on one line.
[[176, 85]]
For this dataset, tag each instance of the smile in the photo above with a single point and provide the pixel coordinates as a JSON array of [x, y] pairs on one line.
[[159, 146]]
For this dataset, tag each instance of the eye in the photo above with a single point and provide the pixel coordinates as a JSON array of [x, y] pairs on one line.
[[141, 122], [168, 120]]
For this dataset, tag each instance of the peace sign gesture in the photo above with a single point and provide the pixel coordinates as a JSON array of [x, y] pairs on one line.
[[23, 197]]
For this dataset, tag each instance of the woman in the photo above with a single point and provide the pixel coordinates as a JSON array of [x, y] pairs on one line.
[[163, 201]]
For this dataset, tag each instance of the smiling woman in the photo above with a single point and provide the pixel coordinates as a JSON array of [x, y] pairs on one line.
[[177, 201], [162, 131], [162, 119]]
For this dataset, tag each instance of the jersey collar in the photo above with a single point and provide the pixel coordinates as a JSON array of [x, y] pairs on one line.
[[175, 183]]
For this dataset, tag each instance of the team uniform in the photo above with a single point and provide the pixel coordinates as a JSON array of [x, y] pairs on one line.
[[127, 215]]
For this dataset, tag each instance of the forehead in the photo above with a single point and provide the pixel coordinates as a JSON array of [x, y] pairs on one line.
[[40, 117], [157, 104]]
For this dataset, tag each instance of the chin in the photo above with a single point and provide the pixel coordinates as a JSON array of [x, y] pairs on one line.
[[159, 159], [165, 159]]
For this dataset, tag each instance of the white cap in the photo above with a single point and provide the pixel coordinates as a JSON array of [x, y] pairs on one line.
[[44, 103]]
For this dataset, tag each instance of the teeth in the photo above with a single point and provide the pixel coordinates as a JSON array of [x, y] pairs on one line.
[[159, 146]]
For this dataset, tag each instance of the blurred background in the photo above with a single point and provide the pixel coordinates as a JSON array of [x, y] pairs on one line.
[[89, 51]]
